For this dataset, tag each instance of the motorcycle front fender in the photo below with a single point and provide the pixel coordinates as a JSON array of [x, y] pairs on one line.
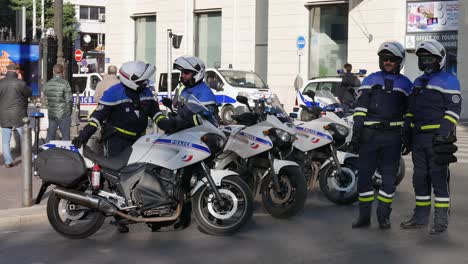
[[217, 175], [279, 164]]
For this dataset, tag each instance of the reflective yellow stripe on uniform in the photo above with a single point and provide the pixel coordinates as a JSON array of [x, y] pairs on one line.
[[385, 200], [442, 205], [411, 124], [126, 132], [428, 127], [423, 203], [451, 119], [366, 199], [409, 115], [359, 114], [370, 123], [195, 120], [159, 118], [399, 123], [92, 124]]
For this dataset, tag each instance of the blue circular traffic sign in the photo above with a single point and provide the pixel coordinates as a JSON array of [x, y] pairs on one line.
[[84, 62], [300, 42]]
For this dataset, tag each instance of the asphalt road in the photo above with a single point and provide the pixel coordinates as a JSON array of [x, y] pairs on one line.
[[321, 234]]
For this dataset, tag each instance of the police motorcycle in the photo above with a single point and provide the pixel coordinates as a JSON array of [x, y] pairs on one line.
[[315, 149], [256, 149], [149, 182], [338, 183]]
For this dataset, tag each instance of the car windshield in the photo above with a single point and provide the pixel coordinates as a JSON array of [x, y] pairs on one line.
[[243, 79]]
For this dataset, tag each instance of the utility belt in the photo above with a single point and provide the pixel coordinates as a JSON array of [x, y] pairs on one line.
[[384, 125]]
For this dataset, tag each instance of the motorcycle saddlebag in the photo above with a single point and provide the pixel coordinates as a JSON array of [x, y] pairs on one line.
[[61, 167]]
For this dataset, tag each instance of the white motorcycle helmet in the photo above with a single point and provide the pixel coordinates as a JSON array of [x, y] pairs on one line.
[[431, 48], [392, 49], [135, 74], [192, 64]]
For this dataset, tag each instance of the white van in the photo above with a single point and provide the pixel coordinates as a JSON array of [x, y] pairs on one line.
[[85, 84], [226, 85]]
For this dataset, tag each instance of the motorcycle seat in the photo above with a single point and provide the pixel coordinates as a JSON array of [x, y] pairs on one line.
[[114, 163]]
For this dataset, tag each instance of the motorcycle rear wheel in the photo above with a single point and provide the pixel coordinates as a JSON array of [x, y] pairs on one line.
[[71, 220], [291, 200], [221, 220]]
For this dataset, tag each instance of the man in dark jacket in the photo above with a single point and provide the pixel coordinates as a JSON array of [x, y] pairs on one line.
[[345, 92], [14, 95], [58, 95]]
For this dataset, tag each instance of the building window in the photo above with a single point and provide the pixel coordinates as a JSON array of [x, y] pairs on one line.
[[208, 38], [145, 39], [328, 39], [92, 12]]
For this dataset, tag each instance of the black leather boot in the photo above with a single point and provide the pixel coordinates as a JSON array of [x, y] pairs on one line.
[[364, 217], [383, 215], [419, 219], [440, 221]]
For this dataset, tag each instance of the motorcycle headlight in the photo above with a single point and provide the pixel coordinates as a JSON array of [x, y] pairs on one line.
[[214, 142], [283, 135], [340, 129]]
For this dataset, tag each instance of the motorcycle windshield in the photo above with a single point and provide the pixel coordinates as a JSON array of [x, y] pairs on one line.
[[273, 106], [196, 107], [326, 94]]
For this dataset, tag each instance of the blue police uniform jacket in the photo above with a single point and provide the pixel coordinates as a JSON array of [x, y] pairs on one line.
[[202, 92], [383, 100], [435, 104], [119, 111]]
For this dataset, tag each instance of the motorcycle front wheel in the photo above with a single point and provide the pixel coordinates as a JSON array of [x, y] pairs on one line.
[[340, 190], [221, 218], [291, 197], [72, 220]]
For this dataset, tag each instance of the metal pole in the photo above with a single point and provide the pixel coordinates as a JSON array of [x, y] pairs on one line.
[[23, 23], [42, 19], [169, 63], [26, 157], [34, 20], [58, 24]]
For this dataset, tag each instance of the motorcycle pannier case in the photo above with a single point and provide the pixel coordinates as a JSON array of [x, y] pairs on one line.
[[61, 167]]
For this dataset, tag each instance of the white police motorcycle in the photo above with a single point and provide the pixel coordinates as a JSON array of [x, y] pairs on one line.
[[257, 148], [149, 182]]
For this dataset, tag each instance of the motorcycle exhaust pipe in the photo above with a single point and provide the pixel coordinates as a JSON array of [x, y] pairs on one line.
[[87, 200], [95, 202]]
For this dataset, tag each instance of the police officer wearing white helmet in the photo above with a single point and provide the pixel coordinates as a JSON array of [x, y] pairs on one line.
[[192, 74], [378, 120], [124, 109], [433, 113]]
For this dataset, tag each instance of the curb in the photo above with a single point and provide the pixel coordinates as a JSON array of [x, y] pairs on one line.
[[23, 216]]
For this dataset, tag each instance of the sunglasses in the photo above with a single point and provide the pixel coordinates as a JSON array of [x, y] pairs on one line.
[[187, 72], [391, 59], [428, 59]]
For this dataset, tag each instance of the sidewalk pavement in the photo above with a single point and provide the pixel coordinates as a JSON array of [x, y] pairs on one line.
[[11, 213]]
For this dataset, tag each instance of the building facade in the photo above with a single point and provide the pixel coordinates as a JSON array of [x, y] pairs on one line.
[[260, 35]]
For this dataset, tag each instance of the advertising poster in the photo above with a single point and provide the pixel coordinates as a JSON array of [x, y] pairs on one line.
[[432, 16], [26, 57]]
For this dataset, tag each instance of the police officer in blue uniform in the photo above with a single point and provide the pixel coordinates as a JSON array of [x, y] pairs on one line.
[[433, 113], [192, 74], [124, 109], [378, 121]]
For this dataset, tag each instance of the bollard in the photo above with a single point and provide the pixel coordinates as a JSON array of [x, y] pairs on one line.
[[26, 157]]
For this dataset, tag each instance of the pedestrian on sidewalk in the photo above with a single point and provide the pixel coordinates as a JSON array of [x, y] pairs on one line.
[[58, 98], [378, 120], [110, 79], [433, 114], [345, 92], [14, 94]]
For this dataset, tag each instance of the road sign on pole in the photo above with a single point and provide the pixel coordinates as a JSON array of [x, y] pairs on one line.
[[78, 55], [300, 42]]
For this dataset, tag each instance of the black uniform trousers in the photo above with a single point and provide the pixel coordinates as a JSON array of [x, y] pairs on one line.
[[428, 175], [379, 148]]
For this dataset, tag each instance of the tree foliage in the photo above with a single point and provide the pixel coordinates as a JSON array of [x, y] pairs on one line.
[[9, 7]]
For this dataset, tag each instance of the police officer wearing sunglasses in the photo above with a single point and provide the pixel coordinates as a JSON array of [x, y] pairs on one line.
[[378, 119], [124, 109], [434, 110]]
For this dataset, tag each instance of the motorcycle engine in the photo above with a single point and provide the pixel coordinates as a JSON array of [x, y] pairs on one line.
[[156, 191]]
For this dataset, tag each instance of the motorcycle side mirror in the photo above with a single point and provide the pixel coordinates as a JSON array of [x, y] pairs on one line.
[[167, 102], [293, 115], [311, 94], [242, 99]]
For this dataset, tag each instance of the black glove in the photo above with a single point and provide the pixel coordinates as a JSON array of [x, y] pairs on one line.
[[78, 142], [444, 149]]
